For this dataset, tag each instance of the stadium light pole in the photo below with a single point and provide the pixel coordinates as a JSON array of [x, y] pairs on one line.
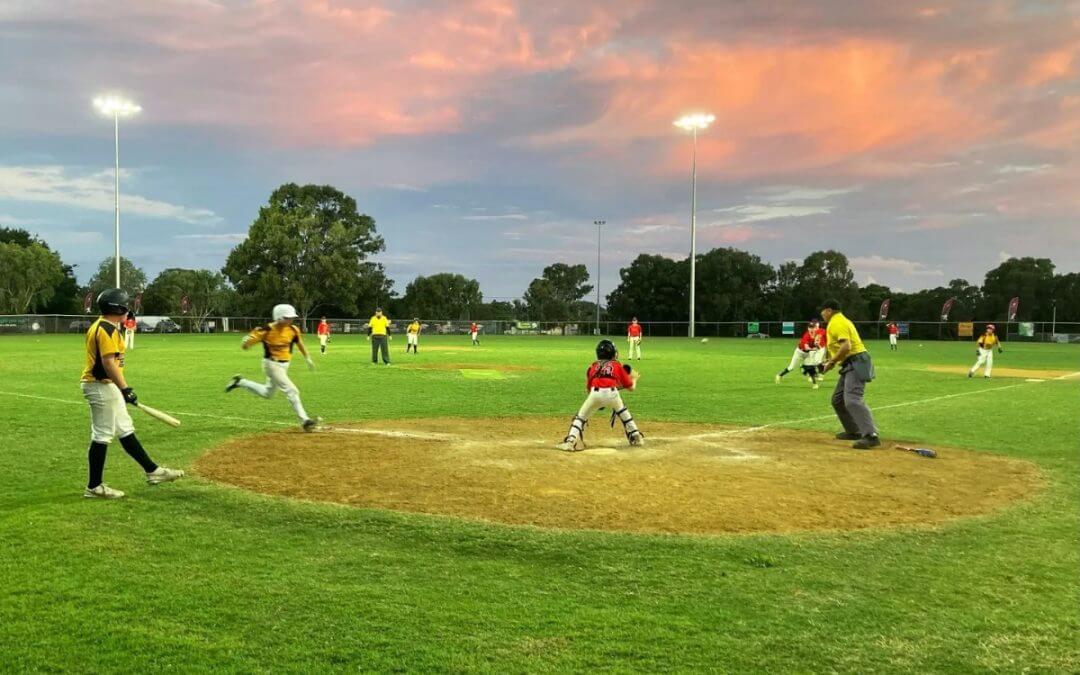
[[116, 107], [598, 224], [694, 123]]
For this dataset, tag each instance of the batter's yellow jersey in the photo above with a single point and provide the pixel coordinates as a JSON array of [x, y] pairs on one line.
[[379, 325], [277, 340], [988, 340], [414, 327], [840, 329], [103, 338]]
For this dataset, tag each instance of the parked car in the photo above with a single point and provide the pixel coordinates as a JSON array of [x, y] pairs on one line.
[[79, 326], [167, 326]]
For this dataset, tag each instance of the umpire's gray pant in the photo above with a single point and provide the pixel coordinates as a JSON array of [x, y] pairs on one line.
[[847, 398], [379, 344]]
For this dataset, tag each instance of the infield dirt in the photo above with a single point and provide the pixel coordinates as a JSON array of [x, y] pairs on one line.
[[689, 478]]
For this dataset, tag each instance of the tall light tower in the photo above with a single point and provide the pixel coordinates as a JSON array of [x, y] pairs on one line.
[[116, 107], [598, 224], [694, 123]]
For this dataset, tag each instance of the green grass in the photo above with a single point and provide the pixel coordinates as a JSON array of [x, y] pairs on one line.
[[195, 576]]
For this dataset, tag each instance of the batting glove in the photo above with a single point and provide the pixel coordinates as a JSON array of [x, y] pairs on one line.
[[129, 395]]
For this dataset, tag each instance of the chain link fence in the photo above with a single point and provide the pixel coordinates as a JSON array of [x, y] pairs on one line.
[[1061, 331]]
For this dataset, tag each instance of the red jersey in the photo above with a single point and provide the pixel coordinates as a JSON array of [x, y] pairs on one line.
[[473, 329], [129, 324], [894, 329], [324, 328], [634, 330], [607, 374], [812, 339]]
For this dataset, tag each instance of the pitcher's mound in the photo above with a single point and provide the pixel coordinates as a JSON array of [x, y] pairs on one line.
[[689, 478]]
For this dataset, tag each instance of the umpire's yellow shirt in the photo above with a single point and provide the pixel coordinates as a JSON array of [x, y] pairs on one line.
[[102, 338], [840, 328], [379, 325], [414, 327], [277, 340]]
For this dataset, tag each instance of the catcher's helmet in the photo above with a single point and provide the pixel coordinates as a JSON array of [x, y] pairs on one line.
[[113, 301], [284, 312], [605, 349]]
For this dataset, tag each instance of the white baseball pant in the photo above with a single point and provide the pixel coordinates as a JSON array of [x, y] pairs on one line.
[[796, 360], [601, 398], [323, 339], [814, 357], [635, 346], [892, 339], [277, 378], [412, 339], [986, 356], [129, 339], [109, 417]]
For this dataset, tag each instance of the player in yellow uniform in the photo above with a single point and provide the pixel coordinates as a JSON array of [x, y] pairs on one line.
[[379, 335], [412, 336], [847, 350], [278, 339], [987, 342], [107, 391]]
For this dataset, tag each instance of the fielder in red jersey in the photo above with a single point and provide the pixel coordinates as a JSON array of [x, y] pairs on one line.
[[633, 336], [474, 333], [324, 334], [894, 336]]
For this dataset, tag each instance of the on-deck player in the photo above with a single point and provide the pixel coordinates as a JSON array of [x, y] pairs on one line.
[[894, 336], [987, 342], [130, 326], [808, 354], [278, 339], [633, 336], [412, 336], [106, 390], [603, 380], [324, 334], [474, 333]]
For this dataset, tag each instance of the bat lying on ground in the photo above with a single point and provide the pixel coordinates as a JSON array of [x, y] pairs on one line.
[[921, 452], [158, 415]]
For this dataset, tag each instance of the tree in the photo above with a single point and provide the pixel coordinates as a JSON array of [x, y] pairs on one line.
[[1067, 296], [207, 293], [31, 274], [731, 285], [307, 247], [824, 275], [132, 279], [1030, 279], [780, 294], [968, 300], [872, 296], [652, 288], [65, 296], [497, 310], [552, 297], [442, 296]]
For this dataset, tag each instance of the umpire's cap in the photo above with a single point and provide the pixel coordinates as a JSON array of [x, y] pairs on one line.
[[605, 349], [114, 301]]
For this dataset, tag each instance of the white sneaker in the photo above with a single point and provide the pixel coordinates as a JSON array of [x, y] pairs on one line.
[[776, 379], [567, 446], [816, 386], [102, 491], [637, 439], [163, 475]]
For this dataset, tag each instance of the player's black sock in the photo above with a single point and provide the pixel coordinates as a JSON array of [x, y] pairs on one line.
[[784, 372], [133, 447], [96, 459]]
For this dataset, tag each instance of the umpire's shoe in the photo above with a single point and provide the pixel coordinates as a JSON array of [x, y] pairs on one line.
[[848, 436], [867, 442]]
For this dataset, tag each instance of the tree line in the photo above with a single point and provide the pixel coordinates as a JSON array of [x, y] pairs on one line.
[[311, 246]]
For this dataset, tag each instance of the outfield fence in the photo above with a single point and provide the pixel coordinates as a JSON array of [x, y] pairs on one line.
[[1045, 331]]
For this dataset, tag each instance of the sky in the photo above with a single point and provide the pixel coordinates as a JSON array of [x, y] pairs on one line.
[[925, 140]]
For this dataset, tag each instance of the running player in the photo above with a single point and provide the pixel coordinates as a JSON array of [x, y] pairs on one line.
[[987, 342], [808, 354], [324, 334], [894, 336], [603, 380], [278, 339], [474, 333], [412, 336], [633, 336], [106, 389]]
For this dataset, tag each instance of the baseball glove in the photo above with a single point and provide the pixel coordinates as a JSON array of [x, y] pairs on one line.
[[627, 368]]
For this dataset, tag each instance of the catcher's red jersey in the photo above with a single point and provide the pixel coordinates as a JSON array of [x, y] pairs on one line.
[[606, 374]]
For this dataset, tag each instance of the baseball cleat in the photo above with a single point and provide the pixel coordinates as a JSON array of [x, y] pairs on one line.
[[848, 436], [102, 491], [637, 439], [867, 442], [163, 475], [776, 379], [311, 425], [569, 445], [970, 374], [816, 386], [233, 383]]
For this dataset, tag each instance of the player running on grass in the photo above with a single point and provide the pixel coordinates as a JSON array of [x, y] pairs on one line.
[[278, 339], [107, 391], [808, 354], [987, 343], [603, 380]]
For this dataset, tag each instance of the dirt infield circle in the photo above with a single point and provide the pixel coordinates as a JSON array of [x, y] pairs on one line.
[[688, 479]]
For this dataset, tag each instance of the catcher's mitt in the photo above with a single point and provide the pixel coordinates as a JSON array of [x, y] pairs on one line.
[[627, 368]]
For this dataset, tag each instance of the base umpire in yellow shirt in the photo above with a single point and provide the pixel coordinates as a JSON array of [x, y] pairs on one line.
[[379, 334], [846, 349]]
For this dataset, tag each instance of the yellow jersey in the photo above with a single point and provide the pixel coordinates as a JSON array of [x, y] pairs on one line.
[[277, 340], [379, 325], [102, 338], [840, 329], [414, 327], [988, 340]]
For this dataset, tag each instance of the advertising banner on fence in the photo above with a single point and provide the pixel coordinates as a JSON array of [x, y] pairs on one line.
[[788, 328], [1014, 306], [1026, 329], [883, 313], [965, 329]]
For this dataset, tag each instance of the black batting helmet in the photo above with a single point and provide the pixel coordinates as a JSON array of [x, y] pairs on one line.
[[605, 349], [114, 301]]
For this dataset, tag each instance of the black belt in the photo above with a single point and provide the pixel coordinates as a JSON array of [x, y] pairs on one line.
[[605, 388], [279, 360]]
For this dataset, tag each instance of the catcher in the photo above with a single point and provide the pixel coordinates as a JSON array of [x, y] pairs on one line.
[[603, 380]]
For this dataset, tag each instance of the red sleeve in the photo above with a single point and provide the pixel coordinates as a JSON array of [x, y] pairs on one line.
[[806, 341], [624, 377], [589, 375]]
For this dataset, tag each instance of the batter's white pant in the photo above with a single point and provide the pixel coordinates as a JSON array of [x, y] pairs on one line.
[[986, 356], [635, 346], [413, 339], [796, 360], [323, 339], [277, 378], [601, 398], [892, 339], [109, 417], [129, 339]]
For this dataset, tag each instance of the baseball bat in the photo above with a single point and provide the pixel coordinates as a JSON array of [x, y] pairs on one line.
[[921, 452], [158, 415]]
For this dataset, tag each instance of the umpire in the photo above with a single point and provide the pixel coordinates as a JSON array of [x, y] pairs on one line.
[[846, 349], [378, 334]]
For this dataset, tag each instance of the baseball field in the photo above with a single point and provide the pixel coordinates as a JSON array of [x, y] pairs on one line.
[[431, 525]]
